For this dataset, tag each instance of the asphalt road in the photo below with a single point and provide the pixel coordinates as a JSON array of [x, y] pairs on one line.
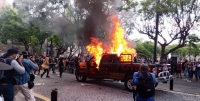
[[106, 90]]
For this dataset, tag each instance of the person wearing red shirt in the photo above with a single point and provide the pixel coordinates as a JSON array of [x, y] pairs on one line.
[[178, 71]]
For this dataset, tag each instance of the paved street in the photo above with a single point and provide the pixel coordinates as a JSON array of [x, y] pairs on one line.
[[71, 90]]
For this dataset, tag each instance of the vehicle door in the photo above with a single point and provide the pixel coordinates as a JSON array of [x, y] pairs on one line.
[[108, 64]]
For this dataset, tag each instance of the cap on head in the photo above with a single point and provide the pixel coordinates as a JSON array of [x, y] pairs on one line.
[[144, 67], [25, 53], [11, 52]]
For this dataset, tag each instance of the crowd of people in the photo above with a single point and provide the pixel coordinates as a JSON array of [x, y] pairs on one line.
[[23, 69], [51, 64], [188, 69]]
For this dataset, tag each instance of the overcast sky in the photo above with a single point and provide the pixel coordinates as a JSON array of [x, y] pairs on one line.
[[10, 1], [135, 35]]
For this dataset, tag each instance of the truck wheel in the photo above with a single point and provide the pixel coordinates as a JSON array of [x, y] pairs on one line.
[[128, 83], [81, 78]]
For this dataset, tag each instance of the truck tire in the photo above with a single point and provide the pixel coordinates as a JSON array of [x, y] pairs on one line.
[[128, 83], [81, 78]]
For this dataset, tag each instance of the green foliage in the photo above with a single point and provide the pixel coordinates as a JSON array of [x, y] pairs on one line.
[[195, 51], [56, 40], [12, 27], [34, 43], [158, 17], [146, 48], [183, 52], [191, 47], [192, 40]]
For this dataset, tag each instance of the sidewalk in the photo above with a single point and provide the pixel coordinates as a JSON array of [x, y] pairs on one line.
[[20, 97], [182, 85]]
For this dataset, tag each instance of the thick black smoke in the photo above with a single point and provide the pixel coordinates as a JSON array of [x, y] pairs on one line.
[[97, 19]]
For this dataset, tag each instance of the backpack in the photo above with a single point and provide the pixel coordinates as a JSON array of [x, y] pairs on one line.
[[7, 75], [145, 86], [2, 71]]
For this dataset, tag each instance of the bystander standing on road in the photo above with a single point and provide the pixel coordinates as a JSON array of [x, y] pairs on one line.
[[33, 59], [7, 82], [39, 62], [71, 66], [186, 65], [194, 70], [183, 67], [178, 70], [22, 84], [198, 71], [52, 65], [144, 91], [190, 71], [61, 65]]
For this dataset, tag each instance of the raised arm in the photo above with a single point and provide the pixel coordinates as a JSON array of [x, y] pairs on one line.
[[20, 69]]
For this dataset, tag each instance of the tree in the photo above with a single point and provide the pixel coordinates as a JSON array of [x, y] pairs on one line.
[[146, 48], [12, 27], [183, 52], [195, 51], [57, 16], [164, 18], [192, 40], [34, 44]]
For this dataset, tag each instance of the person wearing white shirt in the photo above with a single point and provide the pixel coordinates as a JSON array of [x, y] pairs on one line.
[[8, 81]]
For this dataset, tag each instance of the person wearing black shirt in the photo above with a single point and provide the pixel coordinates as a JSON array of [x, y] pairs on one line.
[[52, 65]]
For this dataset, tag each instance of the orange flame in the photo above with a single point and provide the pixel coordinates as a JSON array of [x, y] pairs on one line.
[[118, 44], [95, 48]]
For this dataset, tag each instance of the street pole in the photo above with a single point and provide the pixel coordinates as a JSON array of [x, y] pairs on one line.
[[54, 95], [47, 52], [51, 48]]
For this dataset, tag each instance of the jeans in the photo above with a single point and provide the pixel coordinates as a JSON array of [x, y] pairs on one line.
[[186, 72], [190, 72], [7, 91], [71, 69], [53, 68]]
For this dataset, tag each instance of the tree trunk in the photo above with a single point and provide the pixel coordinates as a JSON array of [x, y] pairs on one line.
[[156, 34], [26, 46], [189, 50], [40, 47], [51, 48], [163, 55], [58, 52]]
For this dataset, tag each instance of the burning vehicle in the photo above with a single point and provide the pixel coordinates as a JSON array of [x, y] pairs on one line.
[[120, 68], [115, 61]]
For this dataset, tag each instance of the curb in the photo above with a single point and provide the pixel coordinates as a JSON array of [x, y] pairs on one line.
[[43, 98], [179, 92]]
